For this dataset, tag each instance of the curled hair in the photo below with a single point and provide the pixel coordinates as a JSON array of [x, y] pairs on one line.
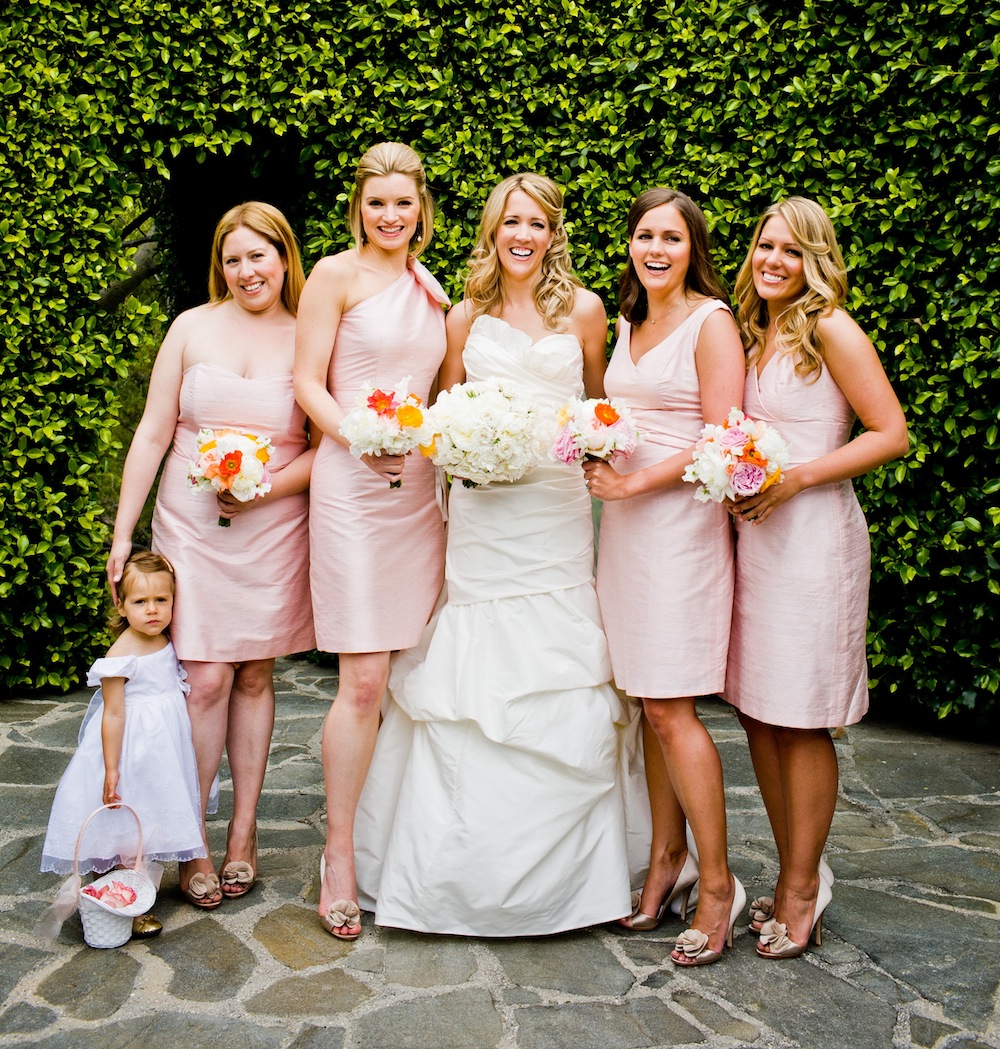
[[825, 288], [555, 292], [392, 158], [267, 221], [141, 562], [701, 278]]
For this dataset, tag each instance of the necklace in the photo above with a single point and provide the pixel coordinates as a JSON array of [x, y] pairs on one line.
[[666, 313]]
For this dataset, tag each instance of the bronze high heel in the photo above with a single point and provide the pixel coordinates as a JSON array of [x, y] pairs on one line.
[[692, 944], [774, 934], [238, 877], [341, 914], [762, 908], [681, 889]]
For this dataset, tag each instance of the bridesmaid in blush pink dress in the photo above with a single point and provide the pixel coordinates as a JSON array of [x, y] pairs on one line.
[[370, 315], [802, 550], [665, 563], [243, 591]]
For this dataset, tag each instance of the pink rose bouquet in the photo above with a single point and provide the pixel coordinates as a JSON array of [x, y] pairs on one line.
[[740, 458], [389, 422], [594, 429], [231, 461]]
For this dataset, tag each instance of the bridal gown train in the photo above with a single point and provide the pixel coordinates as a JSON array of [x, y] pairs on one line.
[[494, 804]]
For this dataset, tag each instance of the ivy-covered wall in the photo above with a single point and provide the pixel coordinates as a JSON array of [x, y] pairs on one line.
[[886, 112]]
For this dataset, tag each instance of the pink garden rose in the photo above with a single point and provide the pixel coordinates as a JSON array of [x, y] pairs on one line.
[[747, 479]]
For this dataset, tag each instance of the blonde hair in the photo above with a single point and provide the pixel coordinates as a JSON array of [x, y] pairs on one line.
[[142, 562], [267, 221], [555, 293], [825, 287], [392, 158]]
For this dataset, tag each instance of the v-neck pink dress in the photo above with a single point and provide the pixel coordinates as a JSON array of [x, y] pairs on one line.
[[665, 561], [377, 553], [797, 656]]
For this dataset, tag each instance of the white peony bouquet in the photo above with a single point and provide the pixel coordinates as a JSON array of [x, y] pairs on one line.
[[231, 461], [740, 458], [485, 431]]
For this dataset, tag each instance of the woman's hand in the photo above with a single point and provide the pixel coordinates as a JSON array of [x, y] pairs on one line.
[[604, 482], [388, 466], [756, 509], [120, 550]]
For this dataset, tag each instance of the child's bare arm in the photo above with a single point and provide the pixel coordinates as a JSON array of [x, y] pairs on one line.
[[112, 732]]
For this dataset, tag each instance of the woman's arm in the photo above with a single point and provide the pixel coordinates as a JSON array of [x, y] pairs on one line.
[[591, 325], [855, 367], [112, 733], [149, 443], [457, 325], [720, 363]]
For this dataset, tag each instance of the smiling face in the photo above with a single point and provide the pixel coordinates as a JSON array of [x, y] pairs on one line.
[[148, 605], [523, 237], [660, 250], [390, 211], [254, 270], [778, 272]]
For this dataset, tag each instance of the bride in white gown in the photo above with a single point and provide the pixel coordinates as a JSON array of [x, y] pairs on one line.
[[495, 803]]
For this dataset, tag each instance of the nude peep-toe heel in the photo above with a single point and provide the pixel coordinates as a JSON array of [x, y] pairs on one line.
[[342, 916], [680, 891], [692, 944], [774, 941], [762, 908]]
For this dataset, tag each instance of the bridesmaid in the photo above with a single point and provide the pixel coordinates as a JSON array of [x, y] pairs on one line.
[[803, 557], [242, 592], [372, 314], [678, 364]]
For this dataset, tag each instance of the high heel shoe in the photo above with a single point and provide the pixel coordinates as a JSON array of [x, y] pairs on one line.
[[238, 877], [680, 890], [692, 944], [774, 934], [341, 914], [762, 908]]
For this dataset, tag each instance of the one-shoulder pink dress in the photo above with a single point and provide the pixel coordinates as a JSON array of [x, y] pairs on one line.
[[665, 561], [797, 656], [377, 553], [242, 591]]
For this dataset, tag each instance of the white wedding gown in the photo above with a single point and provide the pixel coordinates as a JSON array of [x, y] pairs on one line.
[[495, 805]]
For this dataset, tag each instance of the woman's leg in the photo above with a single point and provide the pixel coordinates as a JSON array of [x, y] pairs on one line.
[[208, 709], [348, 744], [695, 771], [248, 741]]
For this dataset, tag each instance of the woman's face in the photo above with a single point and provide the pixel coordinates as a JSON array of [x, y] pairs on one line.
[[390, 211], [254, 270], [778, 273], [523, 237], [660, 250]]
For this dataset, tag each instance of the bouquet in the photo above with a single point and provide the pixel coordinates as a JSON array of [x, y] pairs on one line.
[[385, 421], [230, 461], [594, 429], [485, 431], [740, 458]]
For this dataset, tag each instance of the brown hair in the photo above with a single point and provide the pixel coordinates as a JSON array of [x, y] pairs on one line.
[[392, 158], [140, 562], [267, 221], [701, 277]]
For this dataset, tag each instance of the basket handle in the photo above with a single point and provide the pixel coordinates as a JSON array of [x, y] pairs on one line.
[[79, 837]]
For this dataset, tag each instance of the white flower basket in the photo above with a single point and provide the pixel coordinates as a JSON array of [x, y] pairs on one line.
[[103, 924]]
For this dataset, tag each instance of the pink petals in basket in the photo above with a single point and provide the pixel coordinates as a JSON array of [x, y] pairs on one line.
[[116, 894]]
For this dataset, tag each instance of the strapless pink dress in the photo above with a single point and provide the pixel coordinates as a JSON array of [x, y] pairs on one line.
[[242, 591], [665, 561], [377, 553], [797, 656]]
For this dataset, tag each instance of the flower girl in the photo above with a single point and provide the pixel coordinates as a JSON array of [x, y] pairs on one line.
[[134, 744]]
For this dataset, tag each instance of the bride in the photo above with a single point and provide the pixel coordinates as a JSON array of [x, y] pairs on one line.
[[494, 806]]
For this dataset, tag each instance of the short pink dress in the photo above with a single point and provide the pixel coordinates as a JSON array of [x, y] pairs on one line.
[[797, 656], [243, 591], [665, 561], [377, 553]]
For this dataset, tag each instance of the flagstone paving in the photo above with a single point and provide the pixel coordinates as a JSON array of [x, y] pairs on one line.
[[909, 955]]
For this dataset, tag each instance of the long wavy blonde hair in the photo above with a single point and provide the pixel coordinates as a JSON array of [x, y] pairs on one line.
[[826, 288], [555, 292], [392, 158], [268, 222]]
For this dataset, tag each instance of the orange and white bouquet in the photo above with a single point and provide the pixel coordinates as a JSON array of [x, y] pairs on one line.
[[597, 428], [742, 457], [231, 461], [389, 422]]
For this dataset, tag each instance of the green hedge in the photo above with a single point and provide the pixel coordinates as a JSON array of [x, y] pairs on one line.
[[885, 112]]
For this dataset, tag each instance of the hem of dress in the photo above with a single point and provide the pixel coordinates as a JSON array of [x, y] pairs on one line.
[[90, 865], [408, 925], [264, 652], [850, 718]]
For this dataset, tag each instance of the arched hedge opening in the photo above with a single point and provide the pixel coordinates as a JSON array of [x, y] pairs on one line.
[[121, 112]]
